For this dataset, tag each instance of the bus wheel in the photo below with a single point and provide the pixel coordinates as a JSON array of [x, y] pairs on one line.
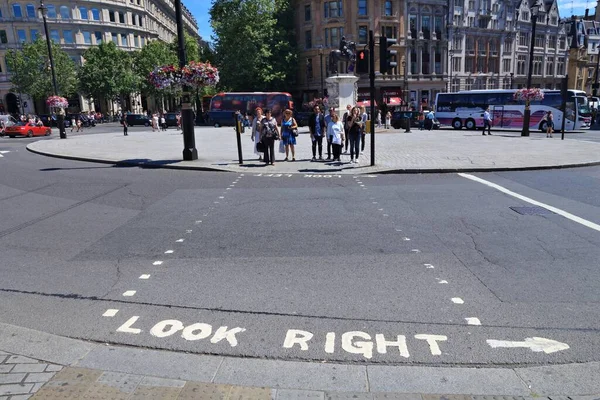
[[457, 123], [470, 125], [543, 126], [217, 125]]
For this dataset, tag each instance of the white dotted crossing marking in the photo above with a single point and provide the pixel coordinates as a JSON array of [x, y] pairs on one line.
[[398, 230], [145, 276], [406, 239], [457, 300], [157, 263], [199, 221], [111, 312], [228, 189], [180, 240], [221, 197], [442, 281], [188, 231], [129, 293], [216, 202], [380, 209], [362, 186], [374, 202], [473, 321], [169, 252], [416, 250], [429, 266]]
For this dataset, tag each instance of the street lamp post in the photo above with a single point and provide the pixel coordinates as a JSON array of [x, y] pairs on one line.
[[321, 65], [450, 69], [61, 118], [535, 10], [512, 79], [187, 114]]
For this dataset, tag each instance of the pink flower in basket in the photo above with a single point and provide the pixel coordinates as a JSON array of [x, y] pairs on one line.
[[533, 94], [165, 77], [197, 75], [57, 102]]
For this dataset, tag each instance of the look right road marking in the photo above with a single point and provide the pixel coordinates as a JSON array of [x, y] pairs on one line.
[[555, 210]]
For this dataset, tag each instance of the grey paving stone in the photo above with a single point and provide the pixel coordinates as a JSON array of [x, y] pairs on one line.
[[6, 390], [569, 380], [498, 398], [348, 396], [20, 360], [30, 368], [152, 363], [288, 394], [451, 381], [39, 377], [291, 375], [6, 368], [11, 378], [37, 386], [396, 396], [3, 357], [123, 382], [21, 397], [54, 368], [161, 382]]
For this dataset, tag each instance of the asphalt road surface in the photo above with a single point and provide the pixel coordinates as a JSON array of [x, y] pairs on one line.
[[421, 269]]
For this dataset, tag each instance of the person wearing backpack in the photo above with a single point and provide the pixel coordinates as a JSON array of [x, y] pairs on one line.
[[269, 134]]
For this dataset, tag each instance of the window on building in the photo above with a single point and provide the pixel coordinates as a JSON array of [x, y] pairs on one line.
[[111, 16], [552, 42], [54, 35], [21, 35], [563, 42], [438, 62], [509, 25], [31, 13], [412, 23], [521, 61], [471, 22], [437, 26], [550, 66], [468, 84], [560, 66], [508, 45], [554, 20], [95, 14], [51, 11], [307, 16], [470, 45], [506, 65], [123, 40], [363, 7], [65, 12], [136, 41], [471, 5], [332, 36], [538, 62], [34, 34], [121, 18], [98, 37], [333, 9], [388, 10], [87, 37], [457, 43], [363, 34], [425, 62], [0, 17], [456, 64], [308, 39], [114, 38], [3, 37], [413, 62], [17, 12], [309, 69], [68, 37], [83, 12], [540, 40], [426, 26], [523, 39], [389, 32]]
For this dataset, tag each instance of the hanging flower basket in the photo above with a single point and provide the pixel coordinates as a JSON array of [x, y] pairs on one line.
[[199, 75], [534, 94], [324, 102], [57, 102], [195, 74]]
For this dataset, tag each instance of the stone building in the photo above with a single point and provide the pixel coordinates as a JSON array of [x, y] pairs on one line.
[[78, 25]]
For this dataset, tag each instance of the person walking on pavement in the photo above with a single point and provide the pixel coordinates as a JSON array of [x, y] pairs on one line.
[[256, 130], [430, 118], [388, 120], [163, 122], [124, 123], [316, 125], [327, 121], [549, 124], [354, 125], [335, 135], [487, 121], [344, 120], [269, 134], [363, 132], [154, 122], [288, 126], [378, 119]]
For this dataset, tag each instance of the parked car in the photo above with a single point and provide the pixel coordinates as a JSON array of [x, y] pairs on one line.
[[51, 121], [171, 119], [27, 129], [398, 120], [138, 120]]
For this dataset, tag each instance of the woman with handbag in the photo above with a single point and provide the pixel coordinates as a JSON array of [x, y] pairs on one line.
[[335, 135], [289, 131], [256, 131], [269, 133]]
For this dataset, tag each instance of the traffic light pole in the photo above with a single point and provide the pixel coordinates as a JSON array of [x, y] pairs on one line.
[[372, 93]]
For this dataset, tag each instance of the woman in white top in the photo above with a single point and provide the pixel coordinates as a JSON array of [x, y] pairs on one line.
[[256, 130], [335, 134], [154, 122]]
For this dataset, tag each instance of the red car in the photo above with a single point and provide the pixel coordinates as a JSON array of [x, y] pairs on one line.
[[27, 129]]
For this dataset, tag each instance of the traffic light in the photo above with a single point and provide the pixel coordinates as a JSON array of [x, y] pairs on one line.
[[362, 62], [387, 57], [18, 103]]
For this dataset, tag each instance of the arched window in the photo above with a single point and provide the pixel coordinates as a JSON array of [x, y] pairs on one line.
[[17, 11], [65, 12], [95, 14], [83, 12], [51, 11], [31, 11]]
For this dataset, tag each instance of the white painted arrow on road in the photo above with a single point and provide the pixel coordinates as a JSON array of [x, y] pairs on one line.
[[536, 344], [4, 152]]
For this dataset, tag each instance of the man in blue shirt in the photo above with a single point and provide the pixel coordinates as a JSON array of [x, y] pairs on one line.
[[318, 129]]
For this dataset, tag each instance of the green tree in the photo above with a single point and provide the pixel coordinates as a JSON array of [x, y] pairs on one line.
[[254, 44], [32, 74], [152, 55], [192, 48]]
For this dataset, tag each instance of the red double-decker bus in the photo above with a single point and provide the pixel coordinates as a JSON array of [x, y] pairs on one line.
[[224, 105]]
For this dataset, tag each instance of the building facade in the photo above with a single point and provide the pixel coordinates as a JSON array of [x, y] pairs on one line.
[[79, 24], [584, 34]]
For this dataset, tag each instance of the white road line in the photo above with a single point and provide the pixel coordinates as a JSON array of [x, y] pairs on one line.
[[406, 239], [457, 300], [145, 276], [555, 210], [111, 312], [221, 197], [473, 321], [157, 263], [179, 240], [169, 252], [442, 281], [129, 293], [416, 250], [199, 221], [398, 230], [362, 186], [216, 202], [380, 209], [228, 189], [429, 266]]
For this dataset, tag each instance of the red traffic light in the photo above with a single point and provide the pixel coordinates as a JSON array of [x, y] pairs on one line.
[[361, 55]]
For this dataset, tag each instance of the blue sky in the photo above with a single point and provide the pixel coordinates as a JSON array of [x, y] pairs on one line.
[[199, 8]]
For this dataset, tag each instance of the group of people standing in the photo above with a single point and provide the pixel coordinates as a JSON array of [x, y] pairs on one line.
[[349, 132]]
